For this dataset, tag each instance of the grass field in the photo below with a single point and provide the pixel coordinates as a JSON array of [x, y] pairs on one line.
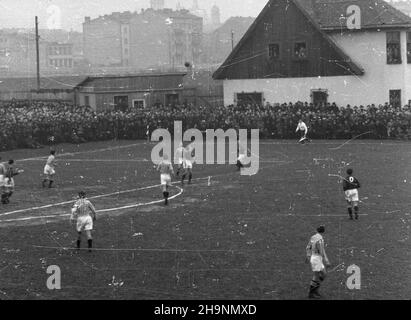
[[237, 238]]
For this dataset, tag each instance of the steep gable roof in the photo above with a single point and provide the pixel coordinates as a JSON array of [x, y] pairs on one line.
[[309, 14], [375, 14]]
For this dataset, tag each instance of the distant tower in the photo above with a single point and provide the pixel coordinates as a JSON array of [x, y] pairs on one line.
[[215, 16], [157, 4]]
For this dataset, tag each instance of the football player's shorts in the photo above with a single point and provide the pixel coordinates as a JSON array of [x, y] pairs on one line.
[[84, 223], [179, 161], [317, 264], [352, 195], [9, 183], [165, 179], [49, 171], [2, 180], [188, 164]]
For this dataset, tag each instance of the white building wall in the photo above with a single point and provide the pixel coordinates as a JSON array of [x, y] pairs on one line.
[[367, 49]]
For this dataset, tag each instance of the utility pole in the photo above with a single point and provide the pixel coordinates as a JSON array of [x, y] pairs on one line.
[[38, 53], [232, 39]]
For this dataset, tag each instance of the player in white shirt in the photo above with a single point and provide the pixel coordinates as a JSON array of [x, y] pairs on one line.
[[316, 256], [166, 170], [188, 163], [83, 214], [49, 169], [179, 158], [240, 159], [303, 129], [2, 178]]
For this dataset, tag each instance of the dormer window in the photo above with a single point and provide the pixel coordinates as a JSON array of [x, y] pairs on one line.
[[393, 48], [408, 47]]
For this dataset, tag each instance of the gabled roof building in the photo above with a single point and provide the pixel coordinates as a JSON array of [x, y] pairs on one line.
[[353, 52]]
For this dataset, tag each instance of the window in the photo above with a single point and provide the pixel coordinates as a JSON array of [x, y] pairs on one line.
[[120, 103], [87, 101], [408, 47], [395, 98], [319, 96], [245, 98], [300, 50], [126, 51], [274, 51], [125, 41], [139, 104], [393, 48]]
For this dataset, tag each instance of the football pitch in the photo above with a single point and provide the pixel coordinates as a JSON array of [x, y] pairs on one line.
[[225, 236]]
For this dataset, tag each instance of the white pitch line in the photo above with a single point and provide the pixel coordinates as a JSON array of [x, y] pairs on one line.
[[99, 196], [61, 160], [82, 152], [95, 197], [114, 161], [72, 201], [98, 211], [143, 250]]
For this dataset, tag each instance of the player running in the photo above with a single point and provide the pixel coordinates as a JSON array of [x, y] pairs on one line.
[[83, 214], [179, 158], [316, 256], [240, 159], [166, 170], [188, 163], [49, 170], [351, 186], [2, 178], [8, 181], [303, 129]]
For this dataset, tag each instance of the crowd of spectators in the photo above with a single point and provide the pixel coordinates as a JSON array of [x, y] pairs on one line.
[[32, 124]]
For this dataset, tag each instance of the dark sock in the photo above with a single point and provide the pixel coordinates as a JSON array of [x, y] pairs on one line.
[[78, 244], [50, 183], [350, 212], [90, 243], [314, 287], [356, 209], [183, 178], [190, 177], [44, 182]]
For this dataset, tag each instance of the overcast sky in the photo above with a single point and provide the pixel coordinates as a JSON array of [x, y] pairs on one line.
[[20, 13]]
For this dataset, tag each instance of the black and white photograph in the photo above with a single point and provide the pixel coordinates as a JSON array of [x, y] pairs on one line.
[[224, 152]]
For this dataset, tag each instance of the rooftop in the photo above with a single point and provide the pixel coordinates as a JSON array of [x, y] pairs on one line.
[[330, 14]]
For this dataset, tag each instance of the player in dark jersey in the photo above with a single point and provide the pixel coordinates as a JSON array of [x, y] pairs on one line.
[[8, 186], [351, 186]]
